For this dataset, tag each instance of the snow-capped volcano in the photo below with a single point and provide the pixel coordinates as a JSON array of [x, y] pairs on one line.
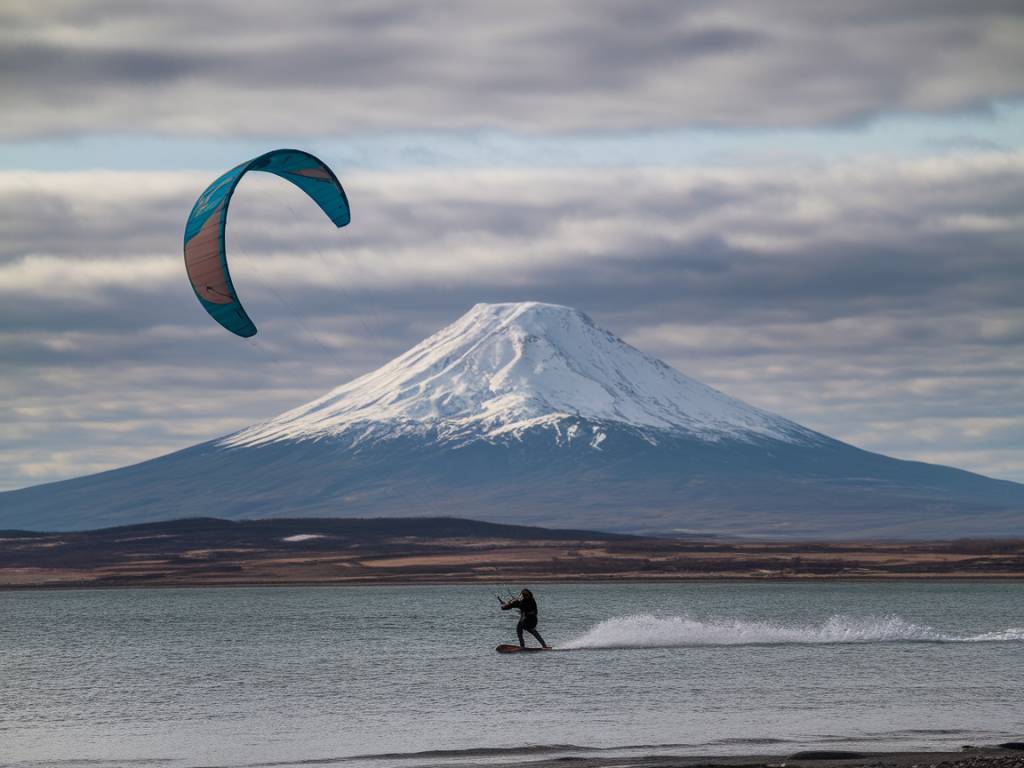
[[502, 369], [531, 414]]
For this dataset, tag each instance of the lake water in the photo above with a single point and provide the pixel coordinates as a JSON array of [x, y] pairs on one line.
[[281, 676]]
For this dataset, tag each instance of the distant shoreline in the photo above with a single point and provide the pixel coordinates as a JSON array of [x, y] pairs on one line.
[[974, 757], [407, 551], [99, 582], [67, 586]]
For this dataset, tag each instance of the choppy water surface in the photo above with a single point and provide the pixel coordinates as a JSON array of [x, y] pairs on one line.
[[241, 677]]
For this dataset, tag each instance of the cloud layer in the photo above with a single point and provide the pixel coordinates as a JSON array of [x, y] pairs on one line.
[[237, 69], [878, 302]]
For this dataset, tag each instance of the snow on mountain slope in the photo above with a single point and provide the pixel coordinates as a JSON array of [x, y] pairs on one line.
[[504, 368]]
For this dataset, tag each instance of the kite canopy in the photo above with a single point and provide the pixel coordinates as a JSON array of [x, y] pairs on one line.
[[205, 258]]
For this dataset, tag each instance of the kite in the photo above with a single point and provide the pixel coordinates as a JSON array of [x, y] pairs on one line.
[[205, 257]]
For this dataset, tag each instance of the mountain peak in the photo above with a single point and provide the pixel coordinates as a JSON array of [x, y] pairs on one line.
[[501, 369], [527, 310]]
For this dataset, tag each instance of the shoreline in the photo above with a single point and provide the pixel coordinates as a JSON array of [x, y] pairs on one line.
[[989, 757], [499, 581], [1009, 756]]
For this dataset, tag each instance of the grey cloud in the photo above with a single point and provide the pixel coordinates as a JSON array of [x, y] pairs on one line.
[[323, 68], [911, 10], [54, 63]]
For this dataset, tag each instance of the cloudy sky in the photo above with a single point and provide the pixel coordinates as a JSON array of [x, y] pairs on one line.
[[814, 206]]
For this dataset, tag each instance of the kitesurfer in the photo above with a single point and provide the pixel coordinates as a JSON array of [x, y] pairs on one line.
[[527, 616]]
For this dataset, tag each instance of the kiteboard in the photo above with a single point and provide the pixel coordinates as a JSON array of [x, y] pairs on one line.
[[506, 648]]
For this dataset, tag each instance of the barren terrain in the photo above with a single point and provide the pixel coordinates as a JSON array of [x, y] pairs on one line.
[[401, 550]]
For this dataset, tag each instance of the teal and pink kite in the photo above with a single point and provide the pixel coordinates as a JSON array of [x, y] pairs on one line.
[[205, 256]]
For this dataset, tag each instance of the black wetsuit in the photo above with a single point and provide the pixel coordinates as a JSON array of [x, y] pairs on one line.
[[528, 618]]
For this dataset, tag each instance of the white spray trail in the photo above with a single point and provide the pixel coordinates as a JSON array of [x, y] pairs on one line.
[[647, 631]]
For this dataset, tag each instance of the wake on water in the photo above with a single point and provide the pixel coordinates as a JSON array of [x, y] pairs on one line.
[[647, 631]]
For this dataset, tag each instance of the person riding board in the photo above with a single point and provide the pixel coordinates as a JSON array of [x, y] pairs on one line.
[[527, 616]]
